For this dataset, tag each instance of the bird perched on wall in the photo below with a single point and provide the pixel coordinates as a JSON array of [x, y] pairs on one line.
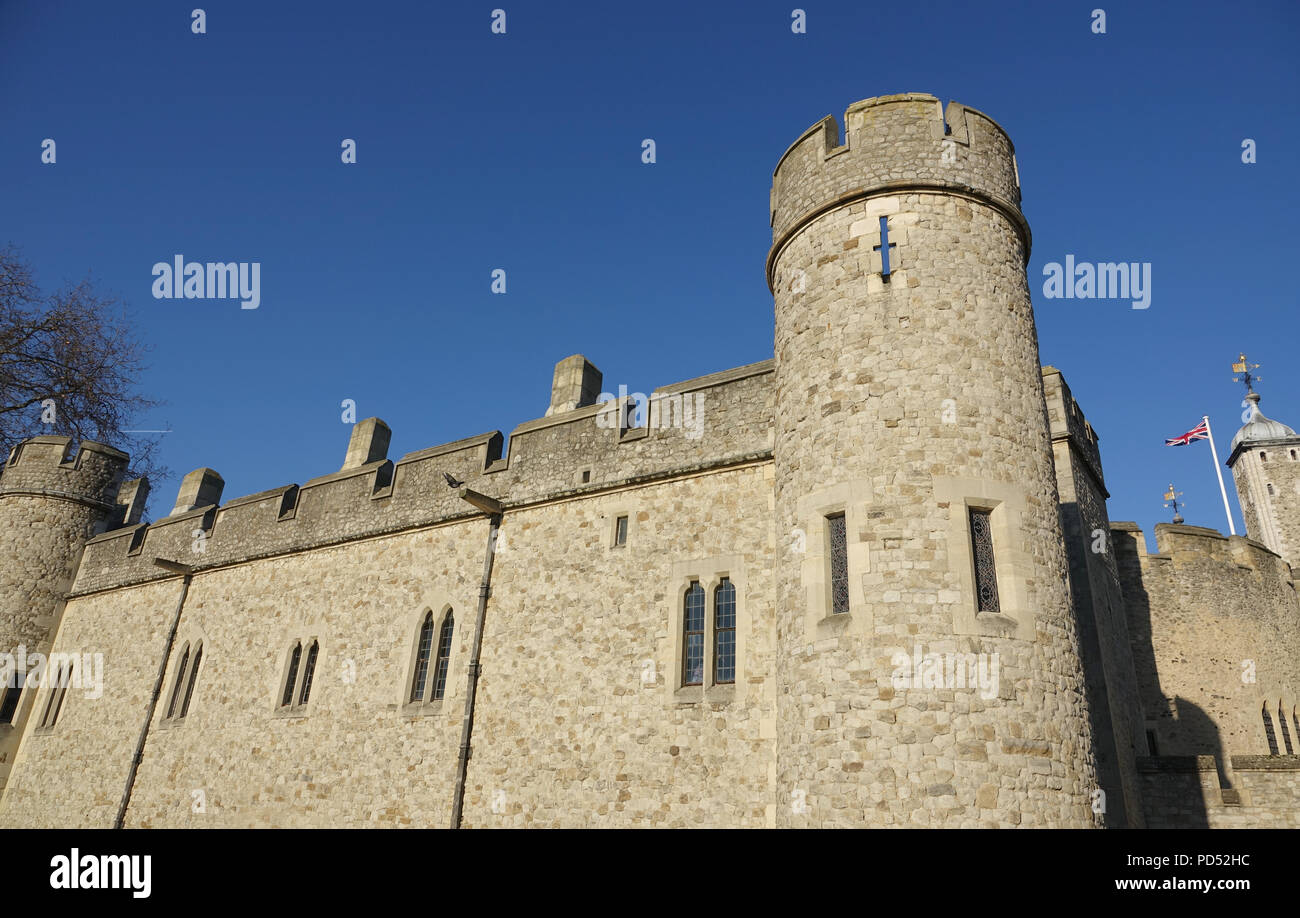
[[452, 482]]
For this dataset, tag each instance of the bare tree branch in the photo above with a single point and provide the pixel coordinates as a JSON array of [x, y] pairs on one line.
[[69, 362]]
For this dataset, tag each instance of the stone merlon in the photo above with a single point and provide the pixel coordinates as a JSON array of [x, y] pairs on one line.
[[577, 385], [369, 443], [200, 488]]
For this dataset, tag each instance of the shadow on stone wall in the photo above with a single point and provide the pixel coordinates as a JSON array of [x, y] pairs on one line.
[[1184, 729], [1096, 691]]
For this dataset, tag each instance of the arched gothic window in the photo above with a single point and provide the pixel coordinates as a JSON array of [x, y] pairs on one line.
[[308, 672], [423, 652], [183, 688], [189, 685], [432, 659], [58, 689], [1268, 732], [180, 681], [291, 680]]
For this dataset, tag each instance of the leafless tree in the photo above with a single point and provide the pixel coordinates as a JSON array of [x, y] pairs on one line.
[[69, 362]]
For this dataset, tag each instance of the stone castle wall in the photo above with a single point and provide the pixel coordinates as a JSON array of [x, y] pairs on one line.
[[572, 726], [1184, 792], [355, 559], [1113, 702], [547, 459], [581, 718], [1213, 624], [51, 501], [901, 403]]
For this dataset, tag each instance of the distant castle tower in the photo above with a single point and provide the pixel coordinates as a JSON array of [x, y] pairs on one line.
[[51, 502], [1265, 462], [916, 497]]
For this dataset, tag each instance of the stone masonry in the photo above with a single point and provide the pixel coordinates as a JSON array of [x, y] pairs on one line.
[[870, 582]]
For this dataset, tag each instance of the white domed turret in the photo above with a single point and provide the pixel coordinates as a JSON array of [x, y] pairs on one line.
[[1259, 427], [1265, 462]]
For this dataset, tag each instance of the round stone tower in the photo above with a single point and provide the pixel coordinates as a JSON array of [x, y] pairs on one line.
[[50, 504], [928, 662]]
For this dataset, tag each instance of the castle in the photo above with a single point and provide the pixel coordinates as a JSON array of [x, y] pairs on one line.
[[869, 582]]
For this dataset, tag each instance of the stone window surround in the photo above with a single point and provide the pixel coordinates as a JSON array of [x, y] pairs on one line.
[[1006, 503], [18, 715], [441, 607], [190, 639], [611, 526], [708, 572], [851, 499], [40, 709], [293, 709]]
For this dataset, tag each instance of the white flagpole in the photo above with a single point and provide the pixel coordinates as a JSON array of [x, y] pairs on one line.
[[1232, 530]]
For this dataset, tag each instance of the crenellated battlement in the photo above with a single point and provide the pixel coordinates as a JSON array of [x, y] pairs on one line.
[[1212, 620], [565, 454], [46, 466], [1068, 423], [898, 143], [1198, 545]]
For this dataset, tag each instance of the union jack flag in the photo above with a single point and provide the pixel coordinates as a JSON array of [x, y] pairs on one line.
[[1199, 432]]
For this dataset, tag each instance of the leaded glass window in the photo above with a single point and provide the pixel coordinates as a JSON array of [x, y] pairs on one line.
[[194, 674], [308, 671], [292, 680], [1281, 722], [180, 681], [986, 576], [693, 636], [724, 632], [839, 563], [422, 653], [444, 657]]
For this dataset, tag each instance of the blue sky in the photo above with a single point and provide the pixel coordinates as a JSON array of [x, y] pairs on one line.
[[522, 151]]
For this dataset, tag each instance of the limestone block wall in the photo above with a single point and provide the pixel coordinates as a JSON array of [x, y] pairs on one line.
[[51, 501], [250, 550], [353, 757], [75, 774], [583, 720], [1094, 584], [1213, 625], [581, 717], [894, 142], [547, 458], [1184, 792], [902, 404], [730, 420]]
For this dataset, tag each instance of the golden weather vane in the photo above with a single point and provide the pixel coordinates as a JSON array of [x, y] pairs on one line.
[[1172, 497], [1243, 368]]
